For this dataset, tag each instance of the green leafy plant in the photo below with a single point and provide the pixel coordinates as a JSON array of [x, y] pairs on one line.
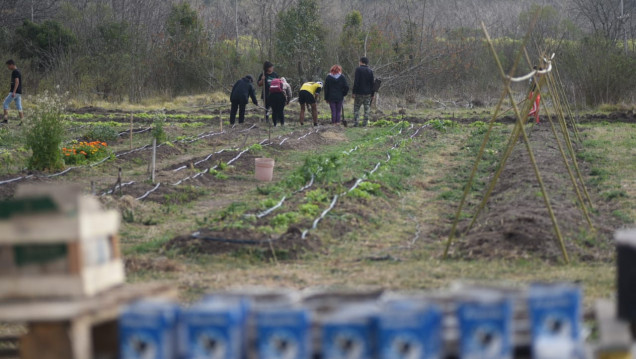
[[442, 125], [255, 148], [45, 134], [158, 131], [309, 209], [317, 196], [283, 220], [102, 133]]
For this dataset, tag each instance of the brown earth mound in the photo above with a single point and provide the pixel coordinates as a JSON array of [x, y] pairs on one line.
[[516, 223], [288, 246]]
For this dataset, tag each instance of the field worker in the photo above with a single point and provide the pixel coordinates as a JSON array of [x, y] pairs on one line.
[[278, 100], [264, 80], [537, 102], [362, 91], [336, 88], [308, 95], [241, 94], [15, 92]]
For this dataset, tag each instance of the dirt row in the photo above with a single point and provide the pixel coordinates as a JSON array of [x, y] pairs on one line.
[[167, 157], [516, 223], [288, 245]]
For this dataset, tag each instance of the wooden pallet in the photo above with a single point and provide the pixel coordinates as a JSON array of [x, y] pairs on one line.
[[79, 328]]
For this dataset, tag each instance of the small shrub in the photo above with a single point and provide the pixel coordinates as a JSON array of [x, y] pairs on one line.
[[45, 134], [102, 133], [158, 132]]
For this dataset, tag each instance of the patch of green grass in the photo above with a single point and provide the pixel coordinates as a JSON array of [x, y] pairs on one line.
[[622, 216], [613, 194]]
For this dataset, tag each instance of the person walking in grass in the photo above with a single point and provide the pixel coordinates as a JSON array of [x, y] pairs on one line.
[[241, 94], [308, 97], [264, 81], [362, 91], [336, 88], [15, 92]]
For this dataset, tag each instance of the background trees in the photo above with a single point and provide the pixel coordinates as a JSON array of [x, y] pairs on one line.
[[131, 49]]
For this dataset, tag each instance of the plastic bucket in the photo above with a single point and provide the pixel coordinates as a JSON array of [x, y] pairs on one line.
[[264, 169]]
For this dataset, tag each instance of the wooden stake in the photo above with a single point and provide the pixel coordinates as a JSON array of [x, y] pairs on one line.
[[131, 131], [154, 160]]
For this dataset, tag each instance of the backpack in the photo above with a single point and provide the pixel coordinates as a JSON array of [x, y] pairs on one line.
[[376, 85], [276, 86]]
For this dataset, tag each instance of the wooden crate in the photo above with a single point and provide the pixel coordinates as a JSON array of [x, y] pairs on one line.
[[80, 328], [55, 242]]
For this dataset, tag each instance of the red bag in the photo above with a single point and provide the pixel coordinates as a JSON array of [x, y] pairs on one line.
[[276, 86]]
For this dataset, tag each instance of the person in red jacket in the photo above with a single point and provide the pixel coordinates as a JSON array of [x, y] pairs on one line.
[[336, 88], [537, 101]]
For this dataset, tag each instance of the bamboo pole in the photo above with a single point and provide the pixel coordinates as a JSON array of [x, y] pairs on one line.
[[482, 149], [154, 160], [526, 140], [131, 131], [556, 103]]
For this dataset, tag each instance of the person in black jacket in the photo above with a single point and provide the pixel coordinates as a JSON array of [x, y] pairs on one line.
[[336, 88], [241, 93], [362, 91]]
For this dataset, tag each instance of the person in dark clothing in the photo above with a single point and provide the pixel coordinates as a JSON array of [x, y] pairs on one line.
[[241, 94], [336, 88], [15, 92], [279, 96], [265, 80], [362, 91]]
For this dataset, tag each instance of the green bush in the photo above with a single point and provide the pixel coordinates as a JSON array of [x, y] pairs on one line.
[[158, 132], [102, 133], [45, 134]]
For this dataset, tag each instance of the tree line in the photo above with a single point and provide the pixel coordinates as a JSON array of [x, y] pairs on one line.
[[133, 49]]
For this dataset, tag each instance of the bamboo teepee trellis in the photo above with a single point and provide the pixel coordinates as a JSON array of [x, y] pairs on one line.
[[544, 80]]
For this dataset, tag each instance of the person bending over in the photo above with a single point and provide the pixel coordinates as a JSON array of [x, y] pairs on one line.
[[308, 97], [241, 94]]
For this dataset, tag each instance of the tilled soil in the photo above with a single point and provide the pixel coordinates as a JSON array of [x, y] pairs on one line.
[[516, 223]]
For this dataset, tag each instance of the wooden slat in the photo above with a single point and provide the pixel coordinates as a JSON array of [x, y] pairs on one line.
[[75, 262], [98, 308], [114, 241]]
